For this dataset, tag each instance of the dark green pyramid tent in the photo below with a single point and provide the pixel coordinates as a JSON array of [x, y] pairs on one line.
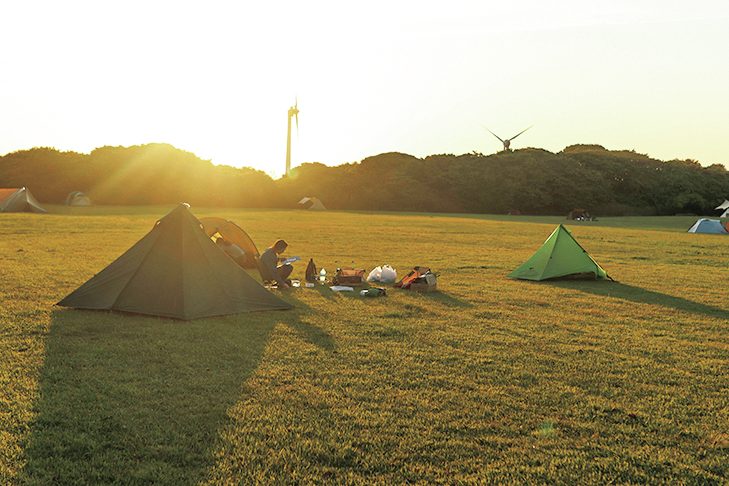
[[174, 271], [559, 256]]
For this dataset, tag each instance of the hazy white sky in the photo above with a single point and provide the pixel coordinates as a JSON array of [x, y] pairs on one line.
[[420, 77]]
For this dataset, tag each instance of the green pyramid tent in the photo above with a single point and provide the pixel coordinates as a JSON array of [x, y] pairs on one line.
[[174, 271], [559, 256]]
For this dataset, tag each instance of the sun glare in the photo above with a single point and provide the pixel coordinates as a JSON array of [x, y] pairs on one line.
[[423, 79]]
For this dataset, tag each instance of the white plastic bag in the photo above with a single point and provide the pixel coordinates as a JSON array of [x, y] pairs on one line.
[[383, 274], [375, 274], [388, 274]]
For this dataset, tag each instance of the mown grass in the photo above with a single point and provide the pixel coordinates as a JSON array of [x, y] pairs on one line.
[[490, 380]]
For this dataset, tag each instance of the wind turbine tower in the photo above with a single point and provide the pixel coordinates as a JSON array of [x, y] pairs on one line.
[[507, 142], [293, 112]]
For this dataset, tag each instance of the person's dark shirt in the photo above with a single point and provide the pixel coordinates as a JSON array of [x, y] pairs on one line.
[[269, 265]]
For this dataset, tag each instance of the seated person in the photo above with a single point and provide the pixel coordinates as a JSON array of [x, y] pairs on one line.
[[271, 271], [232, 250]]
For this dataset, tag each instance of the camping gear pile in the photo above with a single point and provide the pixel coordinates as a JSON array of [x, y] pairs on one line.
[[420, 279]]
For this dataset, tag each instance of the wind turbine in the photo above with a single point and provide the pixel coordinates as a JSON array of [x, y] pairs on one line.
[[507, 142], [293, 112]]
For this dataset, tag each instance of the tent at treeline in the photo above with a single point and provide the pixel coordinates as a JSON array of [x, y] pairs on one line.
[[18, 200], [532, 181], [311, 204], [77, 198]]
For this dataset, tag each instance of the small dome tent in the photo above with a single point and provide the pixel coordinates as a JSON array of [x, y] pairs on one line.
[[708, 226], [78, 198], [312, 204]]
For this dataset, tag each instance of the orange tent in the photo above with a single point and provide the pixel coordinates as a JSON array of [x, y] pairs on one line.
[[234, 234]]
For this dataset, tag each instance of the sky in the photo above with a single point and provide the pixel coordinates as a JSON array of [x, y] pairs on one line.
[[420, 77]]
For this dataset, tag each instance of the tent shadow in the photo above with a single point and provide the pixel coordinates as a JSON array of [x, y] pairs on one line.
[[135, 399], [306, 331], [640, 295]]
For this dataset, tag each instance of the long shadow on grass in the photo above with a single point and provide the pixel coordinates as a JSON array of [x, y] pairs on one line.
[[133, 399], [640, 295], [446, 299]]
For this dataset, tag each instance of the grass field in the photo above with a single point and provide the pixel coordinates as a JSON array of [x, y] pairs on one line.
[[490, 380]]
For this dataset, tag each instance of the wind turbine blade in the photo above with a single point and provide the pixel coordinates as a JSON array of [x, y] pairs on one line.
[[492, 133], [527, 128]]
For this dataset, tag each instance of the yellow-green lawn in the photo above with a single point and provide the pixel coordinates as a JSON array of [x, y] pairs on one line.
[[490, 380]]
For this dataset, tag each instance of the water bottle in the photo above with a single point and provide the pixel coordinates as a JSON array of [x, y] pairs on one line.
[[322, 275]]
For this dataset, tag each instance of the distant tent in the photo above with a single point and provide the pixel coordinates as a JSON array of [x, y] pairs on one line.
[[559, 256], [174, 271], [78, 198], [725, 206], [312, 204], [234, 234], [19, 200], [709, 226], [579, 214]]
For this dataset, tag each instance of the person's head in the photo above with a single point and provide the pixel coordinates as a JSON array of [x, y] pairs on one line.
[[279, 246]]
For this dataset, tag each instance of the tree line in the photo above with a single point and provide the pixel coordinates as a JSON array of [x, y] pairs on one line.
[[530, 181]]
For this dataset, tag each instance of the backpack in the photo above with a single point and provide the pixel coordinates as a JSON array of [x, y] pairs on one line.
[[420, 279], [311, 272]]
